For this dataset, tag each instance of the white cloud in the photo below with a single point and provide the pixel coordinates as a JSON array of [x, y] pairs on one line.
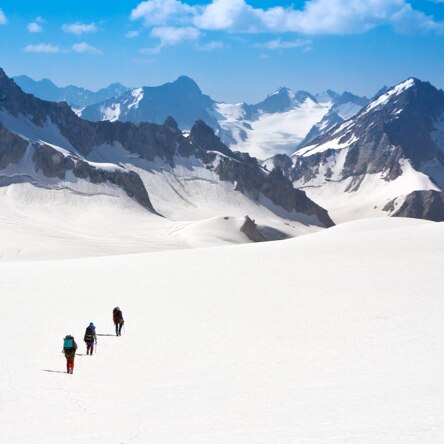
[[226, 14], [169, 35], [348, 17], [161, 12], [35, 26], [84, 47], [132, 34], [3, 19], [277, 44], [315, 17], [79, 28], [43, 48]]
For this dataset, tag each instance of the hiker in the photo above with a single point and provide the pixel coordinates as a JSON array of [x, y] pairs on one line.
[[90, 338], [118, 320], [69, 348]]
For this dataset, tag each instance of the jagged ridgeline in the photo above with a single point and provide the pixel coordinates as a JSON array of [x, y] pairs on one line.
[[47, 145], [387, 160]]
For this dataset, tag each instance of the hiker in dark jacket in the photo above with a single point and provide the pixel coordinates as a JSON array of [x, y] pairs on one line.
[[90, 338], [118, 320], [69, 348]]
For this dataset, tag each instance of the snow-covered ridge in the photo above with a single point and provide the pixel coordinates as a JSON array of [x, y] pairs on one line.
[[138, 96], [383, 99]]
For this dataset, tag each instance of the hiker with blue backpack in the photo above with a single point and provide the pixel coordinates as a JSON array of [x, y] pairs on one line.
[[69, 348], [90, 338]]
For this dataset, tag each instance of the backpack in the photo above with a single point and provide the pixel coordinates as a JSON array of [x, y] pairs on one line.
[[68, 344], [89, 335], [117, 315]]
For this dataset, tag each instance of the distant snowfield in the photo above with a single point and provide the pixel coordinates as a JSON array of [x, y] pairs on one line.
[[270, 133], [333, 337]]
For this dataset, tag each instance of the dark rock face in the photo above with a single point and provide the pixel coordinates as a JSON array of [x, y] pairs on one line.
[[12, 148], [284, 163], [427, 205], [278, 189], [202, 137], [249, 228], [52, 163]]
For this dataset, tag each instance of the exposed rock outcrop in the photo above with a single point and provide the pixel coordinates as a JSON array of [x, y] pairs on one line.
[[427, 205], [249, 228], [52, 163], [12, 147]]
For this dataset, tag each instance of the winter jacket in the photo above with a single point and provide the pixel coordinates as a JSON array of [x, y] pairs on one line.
[[117, 316]]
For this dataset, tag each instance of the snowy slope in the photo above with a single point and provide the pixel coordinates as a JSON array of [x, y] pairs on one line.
[[233, 345], [266, 134], [55, 223]]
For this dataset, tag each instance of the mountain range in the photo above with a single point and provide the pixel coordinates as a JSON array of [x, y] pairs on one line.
[[73, 95], [282, 121], [386, 160], [152, 171], [161, 185]]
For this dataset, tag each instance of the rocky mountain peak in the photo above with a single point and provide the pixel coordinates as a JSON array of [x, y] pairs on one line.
[[187, 84]]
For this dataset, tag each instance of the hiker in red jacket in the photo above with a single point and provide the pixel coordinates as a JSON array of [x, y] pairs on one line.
[[69, 348], [118, 320]]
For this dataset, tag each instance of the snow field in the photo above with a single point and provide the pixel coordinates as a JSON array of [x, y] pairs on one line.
[[270, 133], [373, 194], [334, 337]]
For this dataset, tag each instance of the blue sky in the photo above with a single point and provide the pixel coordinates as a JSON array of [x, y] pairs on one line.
[[235, 49]]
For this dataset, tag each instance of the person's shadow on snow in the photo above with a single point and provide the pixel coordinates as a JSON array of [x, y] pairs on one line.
[[54, 371]]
